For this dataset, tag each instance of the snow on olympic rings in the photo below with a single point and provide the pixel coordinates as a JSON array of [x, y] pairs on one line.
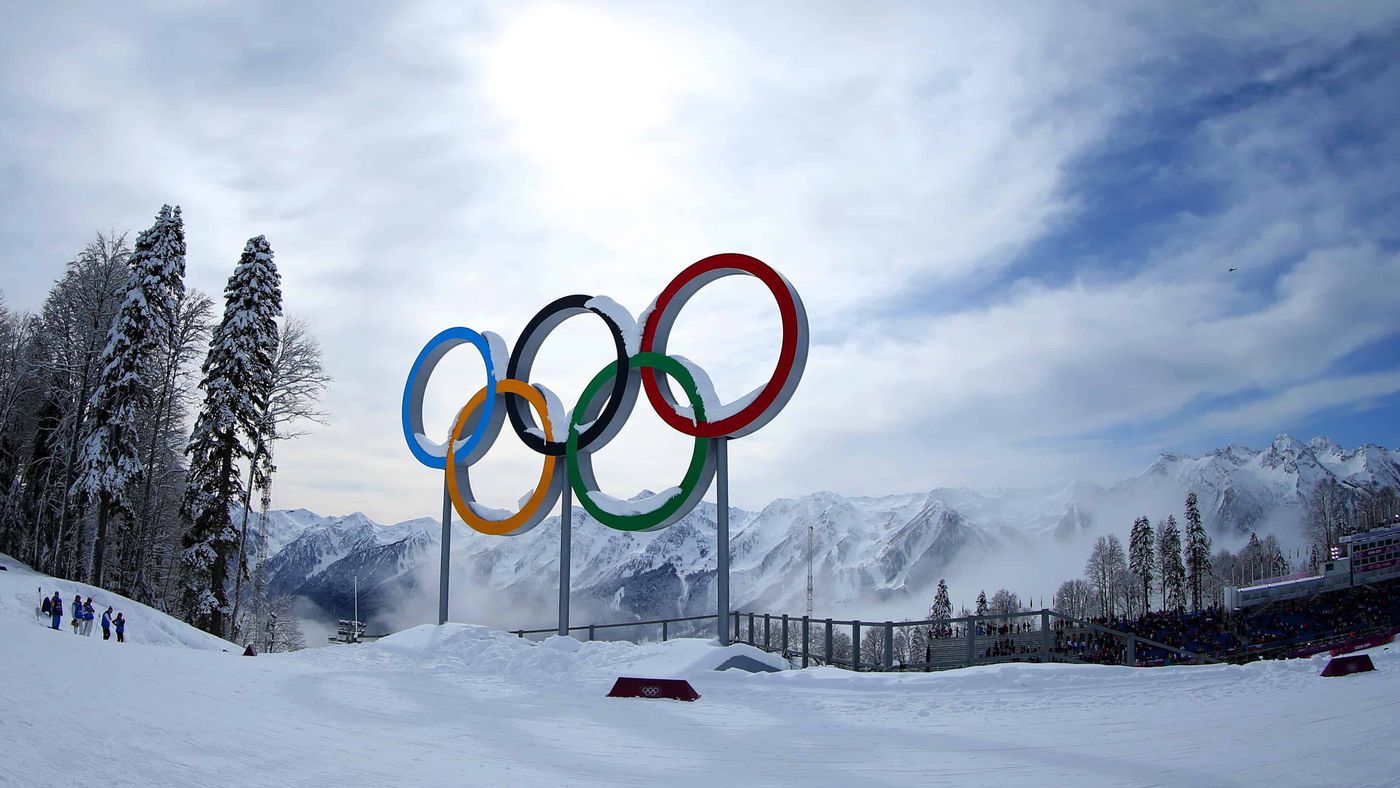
[[605, 404]]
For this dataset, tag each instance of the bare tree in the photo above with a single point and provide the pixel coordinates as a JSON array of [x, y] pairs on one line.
[[298, 381], [1075, 598]]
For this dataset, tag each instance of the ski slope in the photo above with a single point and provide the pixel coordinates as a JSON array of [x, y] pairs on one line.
[[465, 705]]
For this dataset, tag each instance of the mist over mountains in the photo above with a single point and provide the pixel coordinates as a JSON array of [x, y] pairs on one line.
[[872, 555]]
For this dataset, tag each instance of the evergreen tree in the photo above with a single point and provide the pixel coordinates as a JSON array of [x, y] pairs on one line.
[[111, 461], [236, 384], [941, 608], [1197, 551], [1141, 558], [981, 603], [1172, 568]]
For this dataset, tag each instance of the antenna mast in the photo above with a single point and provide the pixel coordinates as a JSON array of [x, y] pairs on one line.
[[809, 571]]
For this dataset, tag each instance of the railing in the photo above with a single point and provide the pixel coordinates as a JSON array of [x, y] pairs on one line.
[[939, 644], [591, 630]]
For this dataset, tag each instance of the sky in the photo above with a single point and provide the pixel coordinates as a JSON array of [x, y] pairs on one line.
[[1035, 242]]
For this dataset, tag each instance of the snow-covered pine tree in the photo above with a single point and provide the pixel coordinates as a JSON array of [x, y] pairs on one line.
[[111, 460], [941, 608], [237, 379], [1173, 570], [981, 603], [1142, 558], [1197, 551]]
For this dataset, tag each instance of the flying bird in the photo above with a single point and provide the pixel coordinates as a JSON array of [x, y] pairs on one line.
[[1232, 269]]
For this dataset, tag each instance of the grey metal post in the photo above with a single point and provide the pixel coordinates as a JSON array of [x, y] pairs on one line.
[[751, 641], [785, 637], [827, 653], [971, 641], [855, 646], [736, 637], [806, 639], [1130, 652], [722, 536], [590, 631], [889, 645], [766, 638], [446, 552], [1045, 639], [565, 557], [663, 631]]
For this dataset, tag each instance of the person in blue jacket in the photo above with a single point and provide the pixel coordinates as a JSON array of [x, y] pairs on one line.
[[119, 624], [107, 624], [77, 617], [56, 610]]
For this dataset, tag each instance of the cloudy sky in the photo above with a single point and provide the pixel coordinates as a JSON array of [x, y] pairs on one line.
[[1012, 225]]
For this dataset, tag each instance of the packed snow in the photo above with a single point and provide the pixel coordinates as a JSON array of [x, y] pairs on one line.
[[618, 315], [715, 410], [643, 505], [466, 705]]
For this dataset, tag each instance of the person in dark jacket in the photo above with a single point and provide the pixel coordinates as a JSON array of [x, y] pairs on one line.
[[77, 612], [87, 618], [107, 624], [119, 624], [45, 606], [56, 610]]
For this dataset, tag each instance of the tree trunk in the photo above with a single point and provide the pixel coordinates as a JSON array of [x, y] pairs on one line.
[[242, 546], [104, 514]]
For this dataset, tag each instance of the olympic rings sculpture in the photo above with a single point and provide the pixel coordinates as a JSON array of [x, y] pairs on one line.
[[605, 404]]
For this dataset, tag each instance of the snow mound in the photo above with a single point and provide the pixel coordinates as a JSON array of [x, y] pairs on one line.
[[481, 650], [20, 589]]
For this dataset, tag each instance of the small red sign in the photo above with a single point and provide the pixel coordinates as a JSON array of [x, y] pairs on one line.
[[671, 689], [1347, 665]]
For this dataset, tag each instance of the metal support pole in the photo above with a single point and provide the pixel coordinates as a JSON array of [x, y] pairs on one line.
[[766, 637], [826, 653], [736, 638], [664, 633], [1045, 637], [806, 640], [590, 631], [889, 645], [785, 637], [855, 646], [1130, 652], [722, 536], [446, 551], [971, 641], [565, 559], [751, 641]]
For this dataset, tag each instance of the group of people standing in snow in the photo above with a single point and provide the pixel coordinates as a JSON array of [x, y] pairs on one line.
[[83, 615]]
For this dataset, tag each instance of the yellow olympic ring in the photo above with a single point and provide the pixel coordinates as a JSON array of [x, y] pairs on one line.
[[542, 490]]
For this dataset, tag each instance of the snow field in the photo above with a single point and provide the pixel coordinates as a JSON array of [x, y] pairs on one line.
[[19, 596], [466, 705]]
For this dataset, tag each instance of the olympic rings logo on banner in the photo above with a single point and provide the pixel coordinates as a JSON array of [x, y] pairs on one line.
[[605, 404]]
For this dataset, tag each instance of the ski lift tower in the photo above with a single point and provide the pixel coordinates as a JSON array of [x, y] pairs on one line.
[[350, 630]]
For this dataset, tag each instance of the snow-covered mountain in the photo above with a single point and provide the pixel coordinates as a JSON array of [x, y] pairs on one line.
[[864, 549]]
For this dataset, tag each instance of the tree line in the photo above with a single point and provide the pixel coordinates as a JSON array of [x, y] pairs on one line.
[[1158, 566], [102, 479]]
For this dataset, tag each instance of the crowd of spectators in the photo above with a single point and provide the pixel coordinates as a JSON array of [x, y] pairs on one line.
[[1287, 628]]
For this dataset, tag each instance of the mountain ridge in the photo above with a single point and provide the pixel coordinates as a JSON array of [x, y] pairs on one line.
[[865, 548]]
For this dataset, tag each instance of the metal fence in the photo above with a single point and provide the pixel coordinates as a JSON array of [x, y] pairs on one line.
[[941, 644], [635, 631]]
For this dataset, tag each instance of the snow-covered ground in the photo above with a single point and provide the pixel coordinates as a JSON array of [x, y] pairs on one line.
[[465, 705]]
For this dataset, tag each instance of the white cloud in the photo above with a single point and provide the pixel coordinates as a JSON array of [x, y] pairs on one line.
[[433, 165]]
